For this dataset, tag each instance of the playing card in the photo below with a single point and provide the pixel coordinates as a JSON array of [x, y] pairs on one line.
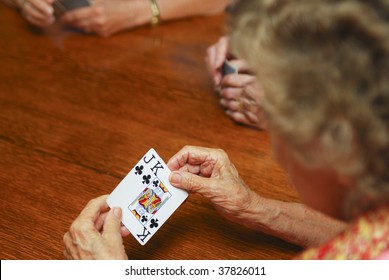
[[227, 68], [146, 197], [63, 6]]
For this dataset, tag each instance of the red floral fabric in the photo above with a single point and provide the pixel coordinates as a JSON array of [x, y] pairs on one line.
[[366, 238]]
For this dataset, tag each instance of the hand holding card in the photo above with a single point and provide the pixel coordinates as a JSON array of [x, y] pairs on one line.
[[94, 233], [146, 197]]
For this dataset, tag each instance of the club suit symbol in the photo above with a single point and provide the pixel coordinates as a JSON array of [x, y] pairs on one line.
[[139, 170], [154, 223], [146, 179]]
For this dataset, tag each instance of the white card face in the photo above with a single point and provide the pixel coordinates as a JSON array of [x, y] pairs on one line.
[[146, 197]]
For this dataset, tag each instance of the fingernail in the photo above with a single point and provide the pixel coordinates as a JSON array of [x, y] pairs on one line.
[[175, 178], [117, 212], [50, 10]]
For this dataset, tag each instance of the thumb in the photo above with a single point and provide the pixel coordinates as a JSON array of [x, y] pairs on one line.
[[190, 182], [112, 223]]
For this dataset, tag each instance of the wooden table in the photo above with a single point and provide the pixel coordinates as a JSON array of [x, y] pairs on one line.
[[78, 111]]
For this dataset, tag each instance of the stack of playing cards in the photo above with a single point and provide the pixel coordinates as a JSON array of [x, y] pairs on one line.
[[62, 6], [146, 197]]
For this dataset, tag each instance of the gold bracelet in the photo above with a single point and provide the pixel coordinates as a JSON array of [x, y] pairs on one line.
[[155, 13]]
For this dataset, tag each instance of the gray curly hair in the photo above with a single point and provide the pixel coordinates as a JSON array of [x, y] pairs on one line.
[[324, 67]]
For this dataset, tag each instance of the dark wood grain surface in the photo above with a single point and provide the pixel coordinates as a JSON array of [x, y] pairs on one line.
[[78, 111]]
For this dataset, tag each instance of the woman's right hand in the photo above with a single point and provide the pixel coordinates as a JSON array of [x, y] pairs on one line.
[[37, 12], [210, 173]]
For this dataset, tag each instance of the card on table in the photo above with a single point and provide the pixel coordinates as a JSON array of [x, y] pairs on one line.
[[63, 6], [227, 68], [146, 197]]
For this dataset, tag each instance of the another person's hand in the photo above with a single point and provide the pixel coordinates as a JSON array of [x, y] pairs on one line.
[[37, 12], [107, 17], [216, 55], [210, 173], [96, 233], [242, 96]]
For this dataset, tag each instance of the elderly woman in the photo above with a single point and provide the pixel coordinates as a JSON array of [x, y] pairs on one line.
[[324, 67], [107, 17]]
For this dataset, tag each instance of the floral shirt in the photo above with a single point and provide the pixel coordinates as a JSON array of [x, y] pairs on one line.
[[366, 238]]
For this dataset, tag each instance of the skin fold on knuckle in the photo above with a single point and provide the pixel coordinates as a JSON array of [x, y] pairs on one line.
[[211, 158], [177, 162], [182, 157]]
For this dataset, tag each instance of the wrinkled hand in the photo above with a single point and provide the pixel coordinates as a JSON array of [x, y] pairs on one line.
[[38, 12], [216, 55], [96, 233], [210, 173], [242, 96], [105, 17]]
